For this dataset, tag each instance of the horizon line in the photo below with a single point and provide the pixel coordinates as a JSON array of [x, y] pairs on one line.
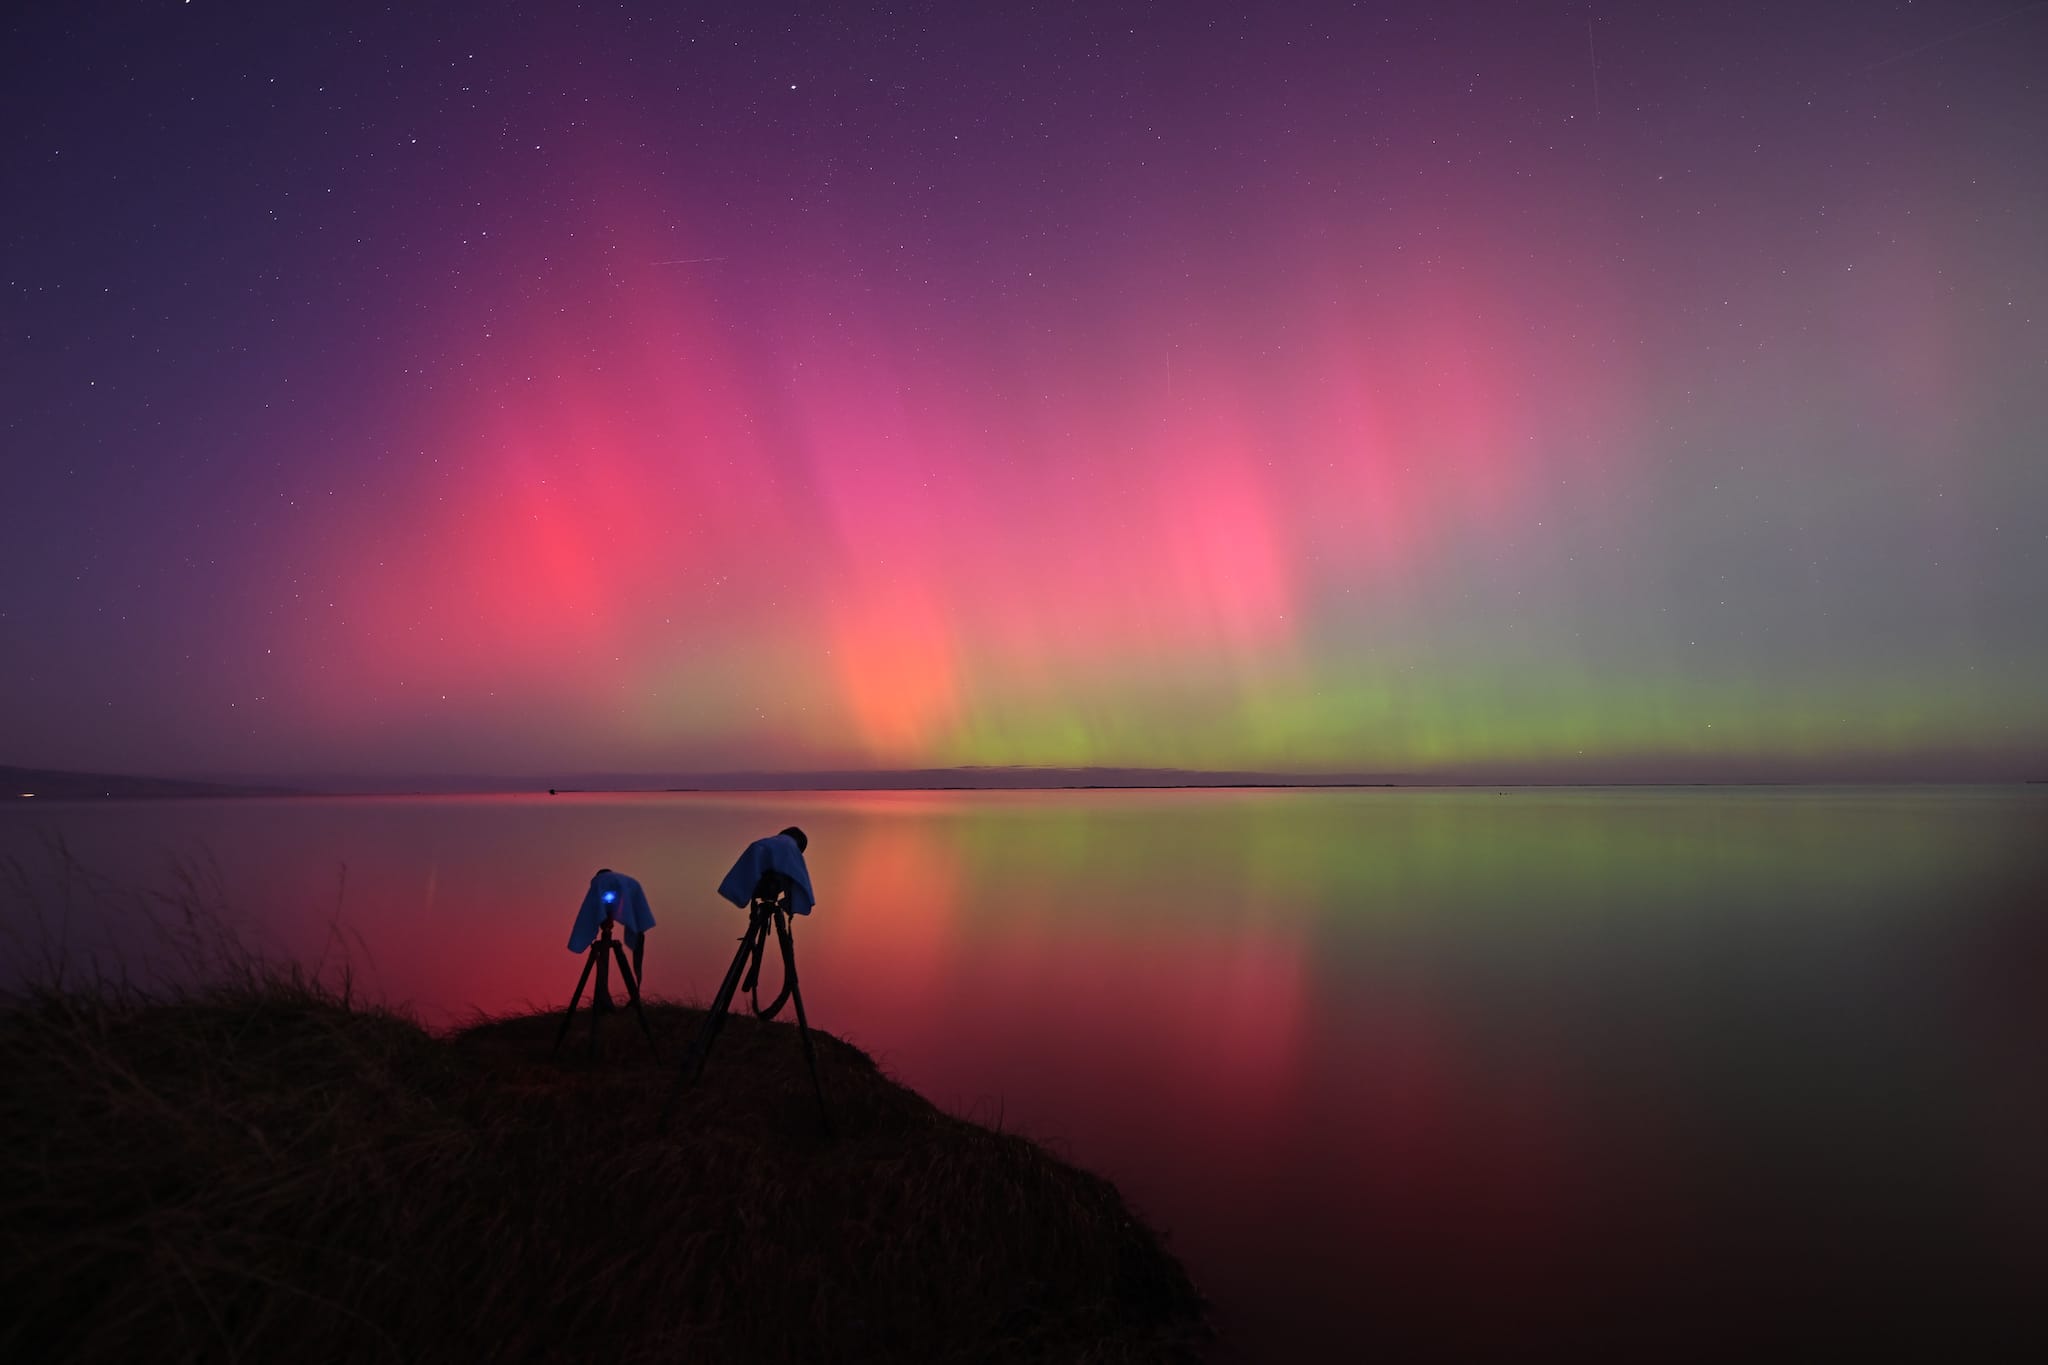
[[61, 784]]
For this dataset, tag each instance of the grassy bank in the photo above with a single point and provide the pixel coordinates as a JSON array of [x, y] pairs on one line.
[[266, 1172]]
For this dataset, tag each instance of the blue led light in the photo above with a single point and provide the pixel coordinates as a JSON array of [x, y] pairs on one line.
[[610, 896]]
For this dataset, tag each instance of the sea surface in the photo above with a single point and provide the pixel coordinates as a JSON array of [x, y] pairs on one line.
[[1424, 1069]]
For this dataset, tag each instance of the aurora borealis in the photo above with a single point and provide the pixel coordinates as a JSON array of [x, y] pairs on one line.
[[1428, 389]]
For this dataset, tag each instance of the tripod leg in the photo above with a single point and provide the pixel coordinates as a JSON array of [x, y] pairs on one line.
[[803, 1023], [589, 960], [633, 994], [752, 985], [601, 997], [626, 973], [707, 1032]]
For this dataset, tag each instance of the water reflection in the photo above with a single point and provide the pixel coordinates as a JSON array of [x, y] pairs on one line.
[[1396, 1067]]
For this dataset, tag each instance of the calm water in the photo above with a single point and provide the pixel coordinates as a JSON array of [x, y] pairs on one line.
[[1444, 1067]]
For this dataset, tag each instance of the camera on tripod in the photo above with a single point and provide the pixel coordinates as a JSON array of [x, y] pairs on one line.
[[613, 899], [771, 881]]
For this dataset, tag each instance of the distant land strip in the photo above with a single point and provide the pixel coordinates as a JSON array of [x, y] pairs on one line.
[[18, 784], [56, 785]]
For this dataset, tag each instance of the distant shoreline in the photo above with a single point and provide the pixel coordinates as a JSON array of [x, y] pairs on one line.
[[21, 785]]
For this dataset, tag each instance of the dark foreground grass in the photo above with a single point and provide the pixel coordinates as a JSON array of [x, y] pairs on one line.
[[264, 1172]]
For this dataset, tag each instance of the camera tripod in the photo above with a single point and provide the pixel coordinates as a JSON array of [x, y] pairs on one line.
[[768, 906], [602, 950]]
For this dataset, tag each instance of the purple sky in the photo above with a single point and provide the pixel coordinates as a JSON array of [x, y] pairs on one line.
[[1441, 389]]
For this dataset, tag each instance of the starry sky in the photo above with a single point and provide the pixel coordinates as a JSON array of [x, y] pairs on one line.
[[1452, 388]]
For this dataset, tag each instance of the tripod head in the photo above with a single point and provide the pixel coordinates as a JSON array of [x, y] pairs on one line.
[[774, 893]]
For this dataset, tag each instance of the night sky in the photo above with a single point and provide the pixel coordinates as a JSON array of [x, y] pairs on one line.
[[1433, 388]]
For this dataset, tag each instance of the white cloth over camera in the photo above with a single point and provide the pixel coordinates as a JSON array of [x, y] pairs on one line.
[[628, 906], [776, 853]]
